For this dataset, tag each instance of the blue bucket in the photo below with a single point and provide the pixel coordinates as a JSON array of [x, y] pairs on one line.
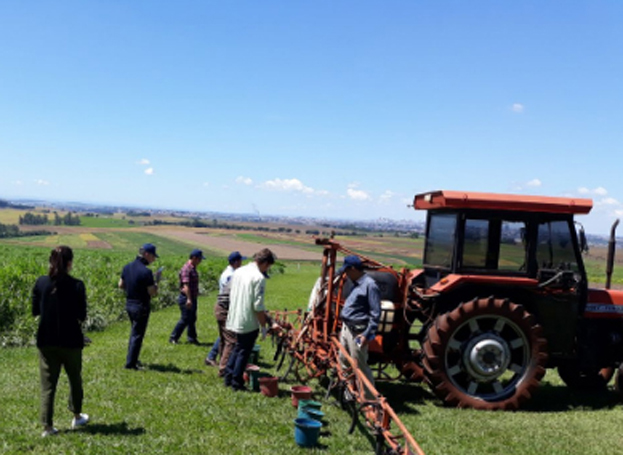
[[310, 404], [306, 432], [310, 413]]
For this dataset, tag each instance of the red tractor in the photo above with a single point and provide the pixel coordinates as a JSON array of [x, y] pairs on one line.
[[501, 296]]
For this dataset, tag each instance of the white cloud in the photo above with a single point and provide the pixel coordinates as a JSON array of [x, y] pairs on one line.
[[517, 108], [386, 196], [599, 191], [608, 201], [18, 183], [149, 171], [144, 162], [244, 180], [287, 185], [520, 186], [357, 195], [42, 182], [206, 183], [618, 212]]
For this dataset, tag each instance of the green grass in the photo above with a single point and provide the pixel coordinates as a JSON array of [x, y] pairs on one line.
[[179, 406], [104, 222]]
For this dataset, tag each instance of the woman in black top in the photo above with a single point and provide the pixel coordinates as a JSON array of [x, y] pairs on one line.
[[60, 301]]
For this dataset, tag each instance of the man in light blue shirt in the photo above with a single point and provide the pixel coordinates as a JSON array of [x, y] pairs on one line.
[[360, 315], [220, 312]]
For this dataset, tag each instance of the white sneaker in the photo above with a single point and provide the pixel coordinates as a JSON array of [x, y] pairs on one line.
[[50, 432], [80, 421]]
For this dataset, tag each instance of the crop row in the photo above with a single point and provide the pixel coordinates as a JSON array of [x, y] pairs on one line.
[[100, 271]]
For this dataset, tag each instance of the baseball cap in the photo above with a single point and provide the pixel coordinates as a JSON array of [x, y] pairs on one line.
[[150, 248], [351, 261], [236, 256], [196, 254]]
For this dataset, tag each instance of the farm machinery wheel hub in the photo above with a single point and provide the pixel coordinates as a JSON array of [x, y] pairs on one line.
[[487, 357]]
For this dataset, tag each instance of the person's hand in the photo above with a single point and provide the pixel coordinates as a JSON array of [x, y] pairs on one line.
[[274, 328], [189, 303], [264, 332], [361, 341]]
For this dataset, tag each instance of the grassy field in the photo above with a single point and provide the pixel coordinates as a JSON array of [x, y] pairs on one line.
[[177, 405]]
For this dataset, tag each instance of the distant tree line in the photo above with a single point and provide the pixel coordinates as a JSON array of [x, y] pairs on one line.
[[7, 205], [32, 219], [135, 213], [12, 230]]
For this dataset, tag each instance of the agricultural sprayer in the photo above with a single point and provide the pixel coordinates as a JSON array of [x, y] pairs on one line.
[[501, 296]]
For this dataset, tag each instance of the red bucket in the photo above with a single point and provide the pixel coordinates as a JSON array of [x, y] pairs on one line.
[[269, 386], [300, 392]]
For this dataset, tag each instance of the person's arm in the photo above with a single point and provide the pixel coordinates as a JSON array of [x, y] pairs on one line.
[[121, 284], [258, 301], [374, 305], [36, 300], [153, 290], [152, 286], [82, 302], [186, 292], [261, 317]]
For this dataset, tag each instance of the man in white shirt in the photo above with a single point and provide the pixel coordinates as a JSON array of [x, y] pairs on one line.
[[220, 312], [246, 314]]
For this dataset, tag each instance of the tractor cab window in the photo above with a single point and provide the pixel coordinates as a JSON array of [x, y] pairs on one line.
[[476, 243], [555, 248], [440, 239], [494, 244], [513, 246]]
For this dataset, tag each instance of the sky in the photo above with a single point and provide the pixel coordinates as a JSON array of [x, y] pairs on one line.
[[336, 109]]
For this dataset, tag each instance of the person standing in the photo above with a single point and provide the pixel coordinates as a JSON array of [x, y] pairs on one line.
[[138, 282], [360, 315], [246, 314], [187, 300], [220, 312], [60, 301]]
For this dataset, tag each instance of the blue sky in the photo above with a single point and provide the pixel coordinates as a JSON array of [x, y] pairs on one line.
[[343, 109]]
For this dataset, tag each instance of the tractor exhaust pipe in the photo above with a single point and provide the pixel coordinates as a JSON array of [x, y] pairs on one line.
[[611, 246]]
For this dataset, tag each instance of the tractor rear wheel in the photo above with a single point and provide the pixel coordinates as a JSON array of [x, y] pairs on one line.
[[592, 379], [618, 380], [485, 354]]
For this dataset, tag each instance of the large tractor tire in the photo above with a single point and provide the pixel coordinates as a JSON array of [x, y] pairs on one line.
[[577, 378], [485, 354]]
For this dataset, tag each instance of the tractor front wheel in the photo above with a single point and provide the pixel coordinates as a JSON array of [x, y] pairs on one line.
[[485, 354]]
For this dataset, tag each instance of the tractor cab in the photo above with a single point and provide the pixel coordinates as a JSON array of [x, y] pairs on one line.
[[505, 235]]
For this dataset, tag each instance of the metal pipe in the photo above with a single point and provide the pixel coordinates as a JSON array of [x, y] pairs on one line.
[[611, 248]]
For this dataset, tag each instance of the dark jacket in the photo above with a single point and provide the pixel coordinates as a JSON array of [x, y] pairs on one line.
[[62, 305]]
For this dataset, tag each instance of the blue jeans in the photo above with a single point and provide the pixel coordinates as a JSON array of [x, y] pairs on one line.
[[188, 318], [214, 351], [139, 317], [239, 358]]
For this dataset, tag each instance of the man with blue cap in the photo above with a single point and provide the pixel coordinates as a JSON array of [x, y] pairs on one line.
[[139, 284], [360, 315], [187, 300], [221, 346]]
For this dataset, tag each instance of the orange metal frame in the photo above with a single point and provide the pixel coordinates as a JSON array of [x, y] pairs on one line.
[[311, 342], [491, 201]]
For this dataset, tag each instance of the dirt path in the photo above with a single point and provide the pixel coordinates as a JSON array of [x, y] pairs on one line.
[[228, 244]]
